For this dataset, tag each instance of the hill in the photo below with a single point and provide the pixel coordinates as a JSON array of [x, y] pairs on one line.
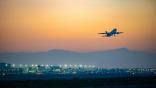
[[116, 58]]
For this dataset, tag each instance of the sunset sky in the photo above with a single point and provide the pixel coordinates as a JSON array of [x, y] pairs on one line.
[[41, 25]]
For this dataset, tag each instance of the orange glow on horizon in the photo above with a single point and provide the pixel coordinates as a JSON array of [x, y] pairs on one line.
[[30, 25]]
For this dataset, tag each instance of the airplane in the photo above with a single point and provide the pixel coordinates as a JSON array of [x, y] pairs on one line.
[[109, 34]]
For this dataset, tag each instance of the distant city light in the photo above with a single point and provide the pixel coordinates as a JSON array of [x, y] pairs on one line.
[[85, 66], [20, 65], [6, 65], [25, 65], [80, 65], [47, 65], [13, 65], [90, 66], [70, 69], [75, 65], [65, 65], [70, 65], [60, 65], [93, 66]]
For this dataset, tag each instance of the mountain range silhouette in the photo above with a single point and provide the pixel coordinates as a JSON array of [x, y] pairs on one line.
[[115, 58]]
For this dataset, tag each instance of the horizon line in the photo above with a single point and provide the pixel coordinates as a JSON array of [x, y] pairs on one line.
[[68, 50]]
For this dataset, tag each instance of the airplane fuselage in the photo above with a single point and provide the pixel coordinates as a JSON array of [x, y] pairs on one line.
[[113, 32]]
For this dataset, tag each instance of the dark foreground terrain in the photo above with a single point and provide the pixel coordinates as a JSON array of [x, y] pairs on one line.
[[120, 82]]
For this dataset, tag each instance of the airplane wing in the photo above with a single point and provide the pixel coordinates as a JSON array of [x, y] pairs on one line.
[[119, 32], [102, 33]]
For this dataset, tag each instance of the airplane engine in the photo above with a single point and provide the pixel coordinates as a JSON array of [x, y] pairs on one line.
[[106, 32]]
